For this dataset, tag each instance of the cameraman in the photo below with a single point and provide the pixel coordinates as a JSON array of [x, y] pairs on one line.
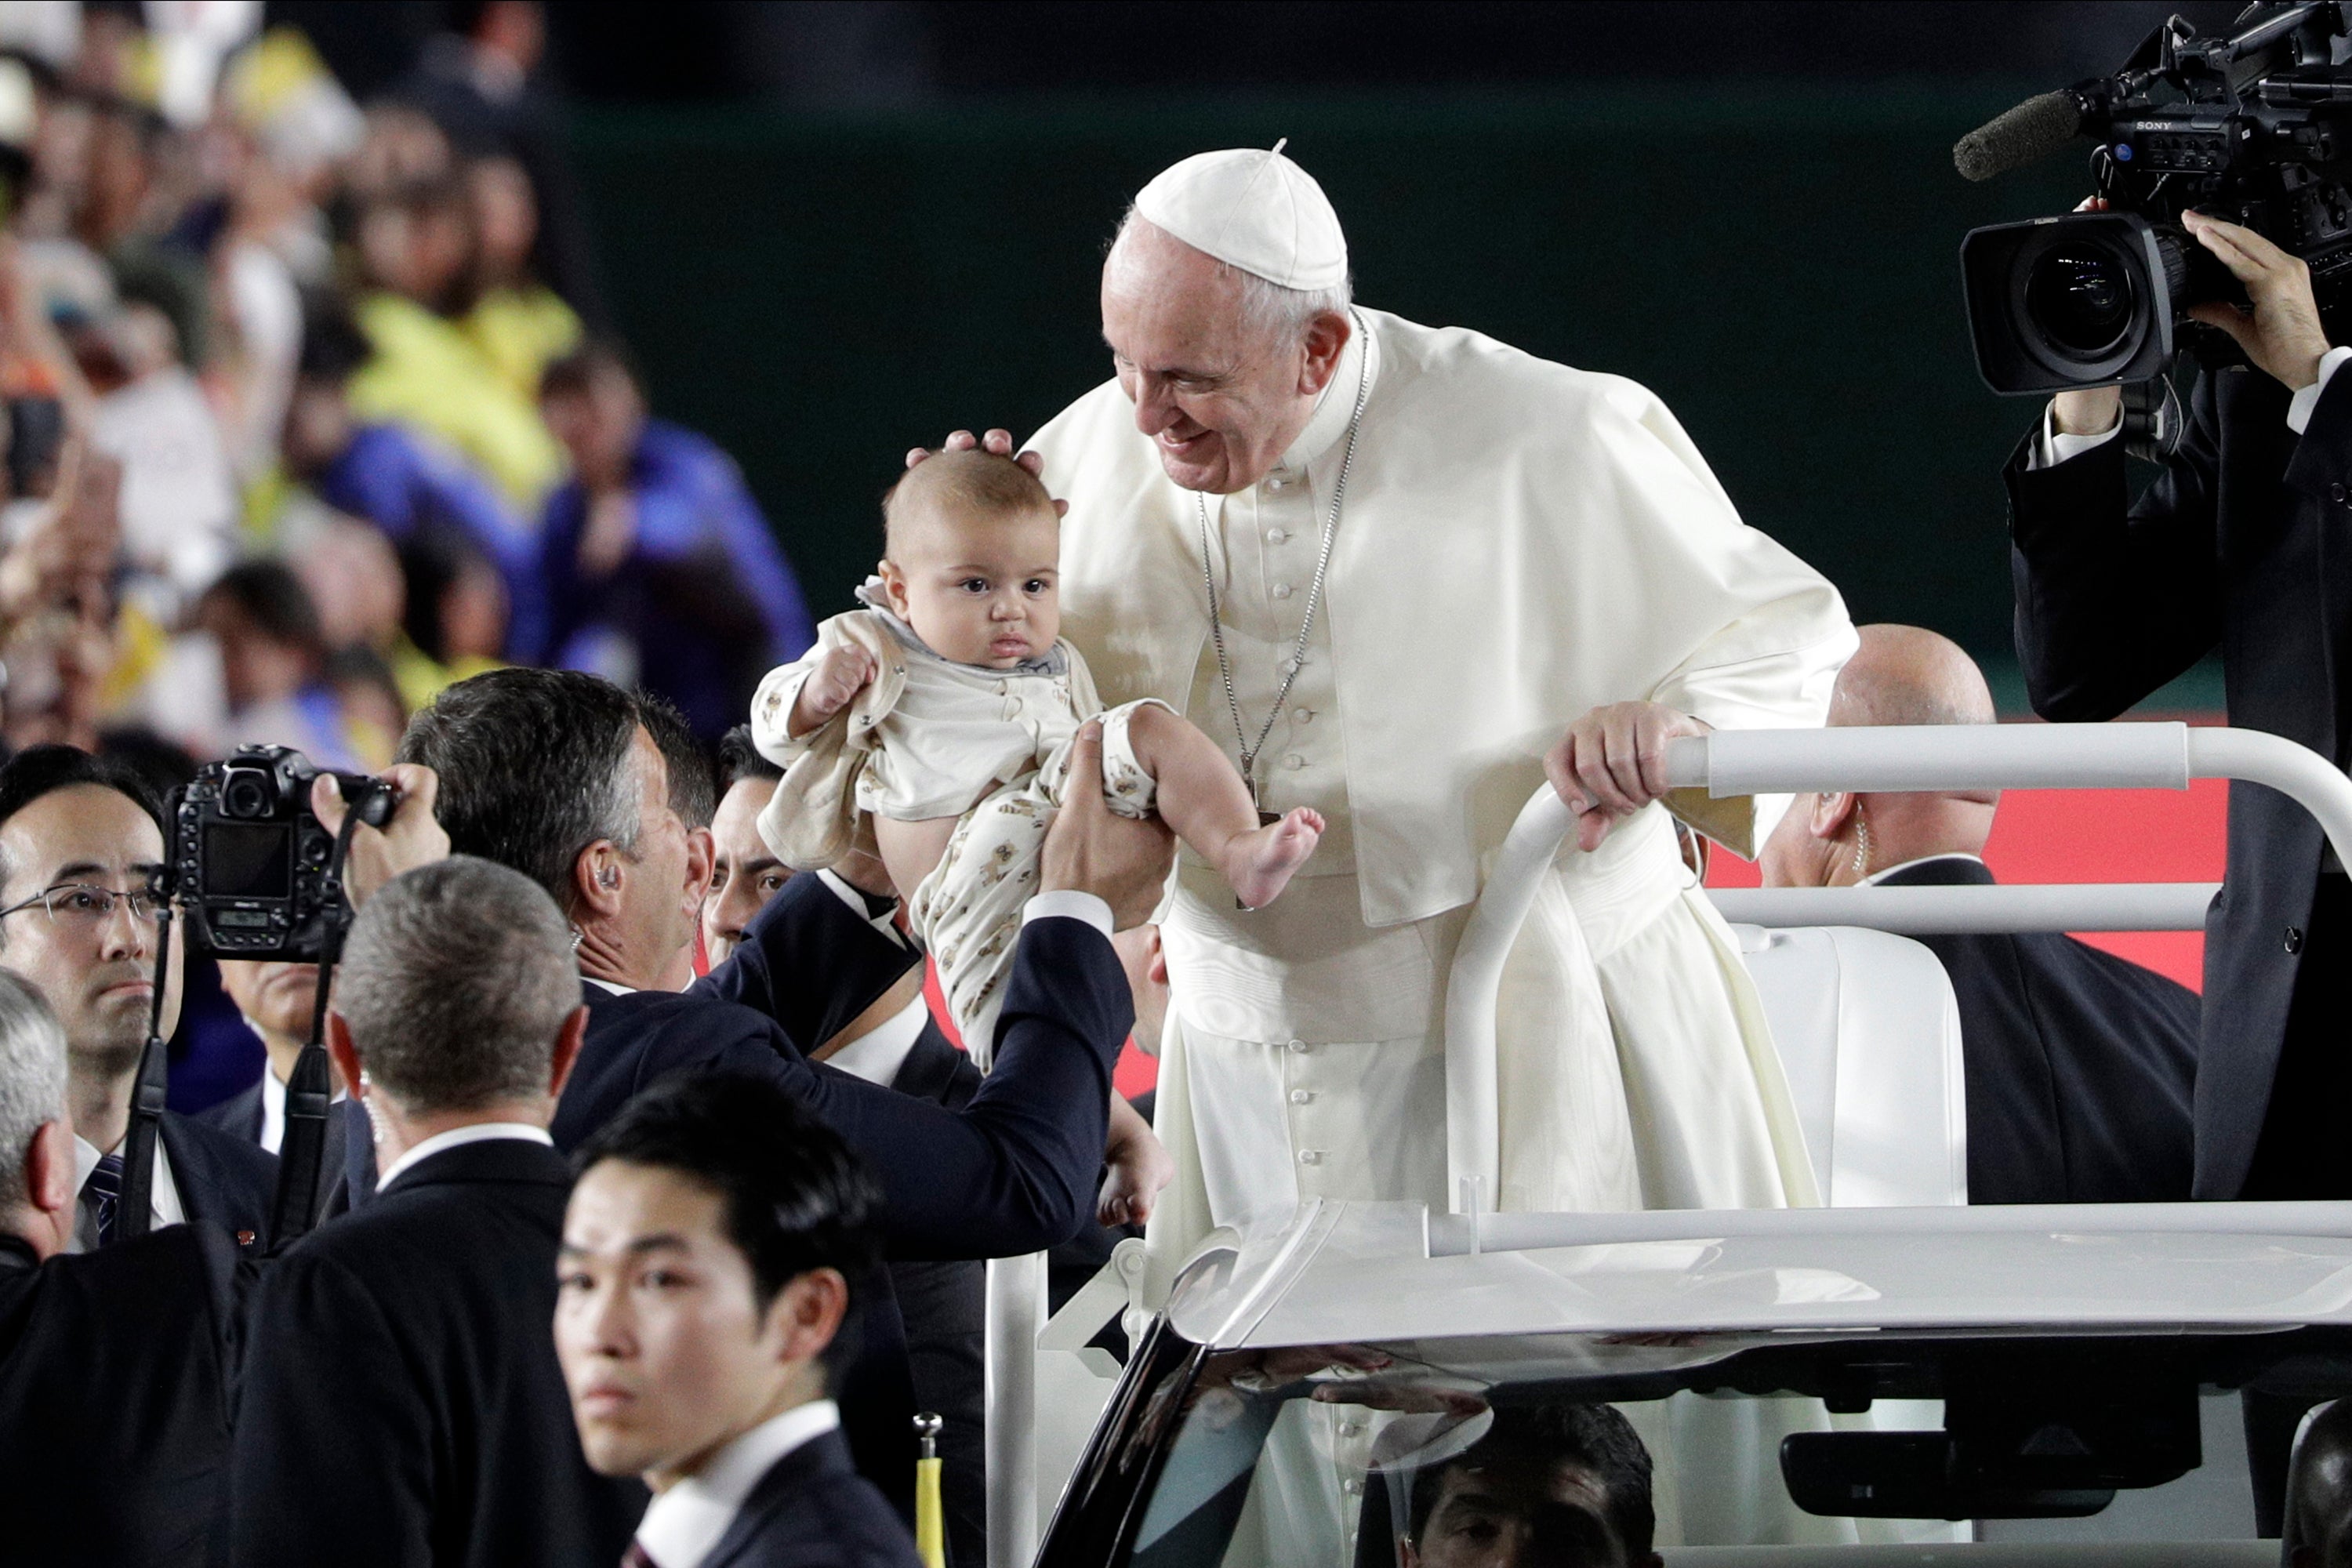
[[2245, 542]]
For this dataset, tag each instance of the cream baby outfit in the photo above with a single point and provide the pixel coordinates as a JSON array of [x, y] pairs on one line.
[[928, 738]]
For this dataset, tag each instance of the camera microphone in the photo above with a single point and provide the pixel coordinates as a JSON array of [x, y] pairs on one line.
[[2026, 134]]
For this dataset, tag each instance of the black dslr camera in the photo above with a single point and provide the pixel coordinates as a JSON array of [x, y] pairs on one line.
[[2254, 129], [255, 872]]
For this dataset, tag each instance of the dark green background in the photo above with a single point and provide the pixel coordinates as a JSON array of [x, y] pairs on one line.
[[1779, 262]]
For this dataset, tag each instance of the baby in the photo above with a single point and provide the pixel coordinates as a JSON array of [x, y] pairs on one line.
[[943, 716]]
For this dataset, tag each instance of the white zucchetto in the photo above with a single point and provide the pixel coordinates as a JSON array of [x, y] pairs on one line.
[[1253, 209]]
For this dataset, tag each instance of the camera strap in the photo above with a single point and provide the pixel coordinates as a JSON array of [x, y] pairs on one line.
[[135, 1205], [303, 1152]]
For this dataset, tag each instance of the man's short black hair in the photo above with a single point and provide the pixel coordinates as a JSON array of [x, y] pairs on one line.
[[534, 767], [693, 784], [1596, 1438], [796, 1199], [739, 759], [37, 771]]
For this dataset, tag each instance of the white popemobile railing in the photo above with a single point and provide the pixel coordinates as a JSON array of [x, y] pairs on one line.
[[1726, 762], [1775, 761]]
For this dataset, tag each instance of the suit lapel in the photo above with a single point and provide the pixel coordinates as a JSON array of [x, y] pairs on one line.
[[823, 1457]]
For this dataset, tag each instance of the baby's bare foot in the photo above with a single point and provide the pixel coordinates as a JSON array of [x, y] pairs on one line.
[[1262, 862]]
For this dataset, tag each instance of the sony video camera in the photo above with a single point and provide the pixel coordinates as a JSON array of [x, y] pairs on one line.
[[2254, 129], [254, 870]]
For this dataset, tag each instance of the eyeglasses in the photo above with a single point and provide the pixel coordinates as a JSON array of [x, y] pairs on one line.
[[83, 905]]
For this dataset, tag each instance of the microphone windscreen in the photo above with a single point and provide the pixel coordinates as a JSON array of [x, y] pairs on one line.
[[2031, 132]]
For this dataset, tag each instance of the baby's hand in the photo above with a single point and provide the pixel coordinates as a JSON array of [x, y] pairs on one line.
[[839, 677]]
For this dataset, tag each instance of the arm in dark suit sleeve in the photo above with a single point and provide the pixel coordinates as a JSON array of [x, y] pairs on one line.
[[811, 963], [1015, 1170], [2323, 457], [332, 1444], [2114, 600]]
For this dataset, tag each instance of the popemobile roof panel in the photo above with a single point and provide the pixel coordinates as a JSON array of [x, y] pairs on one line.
[[1383, 1272]]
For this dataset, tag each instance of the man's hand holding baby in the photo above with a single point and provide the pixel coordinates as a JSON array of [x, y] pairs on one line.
[[835, 682]]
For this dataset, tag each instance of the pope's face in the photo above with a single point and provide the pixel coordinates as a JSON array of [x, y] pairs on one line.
[[1220, 397]]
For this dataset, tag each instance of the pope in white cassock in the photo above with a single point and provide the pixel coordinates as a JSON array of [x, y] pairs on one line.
[[1402, 572]]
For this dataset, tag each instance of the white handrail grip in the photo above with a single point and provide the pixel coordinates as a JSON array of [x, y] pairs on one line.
[[1473, 1113], [1934, 757], [1961, 910], [2296, 772]]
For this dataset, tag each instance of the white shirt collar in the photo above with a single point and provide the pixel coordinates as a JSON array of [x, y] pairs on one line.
[[614, 986], [1876, 877], [164, 1206], [273, 1106], [1359, 366], [879, 1054], [475, 1132], [682, 1524]]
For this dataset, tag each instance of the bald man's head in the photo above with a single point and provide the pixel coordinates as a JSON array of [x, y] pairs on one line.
[[1899, 675], [1909, 675]]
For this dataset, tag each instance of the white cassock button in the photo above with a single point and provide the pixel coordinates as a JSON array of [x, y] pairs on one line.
[[1304, 715], [1298, 1047], [1294, 760], [1349, 1428], [1301, 1095], [1310, 1156], [1352, 1487], [1282, 590], [1276, 535], [1277, 484]]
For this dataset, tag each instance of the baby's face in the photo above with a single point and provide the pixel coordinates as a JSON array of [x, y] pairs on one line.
[[982, 591]]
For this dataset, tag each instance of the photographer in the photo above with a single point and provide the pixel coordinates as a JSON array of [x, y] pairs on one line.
[[2239, 543], [79, 837]]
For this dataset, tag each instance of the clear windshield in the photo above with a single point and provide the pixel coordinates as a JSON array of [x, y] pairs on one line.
[[1749, 1449]]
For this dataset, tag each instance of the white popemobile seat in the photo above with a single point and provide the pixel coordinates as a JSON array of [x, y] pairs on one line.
[[1869, 1038]]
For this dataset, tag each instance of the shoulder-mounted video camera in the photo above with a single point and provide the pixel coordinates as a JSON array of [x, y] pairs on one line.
[[254, 873], [2254, 129]]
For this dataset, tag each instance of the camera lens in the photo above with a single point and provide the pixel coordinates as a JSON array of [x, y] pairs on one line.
[[245, 793], [2080, 296]]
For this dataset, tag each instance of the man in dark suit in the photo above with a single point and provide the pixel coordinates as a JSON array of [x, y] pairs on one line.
[[408, 1408], [115, 1366], [2240, 544], [2077, 1063], [275, 1000], [79, 837], [713, 1388], [1012, 1170]]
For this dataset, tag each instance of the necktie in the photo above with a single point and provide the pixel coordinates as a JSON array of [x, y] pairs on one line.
[[104, 1187], [636, 1556]]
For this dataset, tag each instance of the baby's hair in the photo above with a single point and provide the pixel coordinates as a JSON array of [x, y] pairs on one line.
[[972, 485]]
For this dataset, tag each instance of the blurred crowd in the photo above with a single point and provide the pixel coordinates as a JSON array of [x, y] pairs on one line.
[[309, 411]]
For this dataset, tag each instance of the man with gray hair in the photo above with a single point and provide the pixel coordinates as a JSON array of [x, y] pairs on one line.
[[1405, 573], [2078, 1064], [115, 1366], [410, 1408]]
